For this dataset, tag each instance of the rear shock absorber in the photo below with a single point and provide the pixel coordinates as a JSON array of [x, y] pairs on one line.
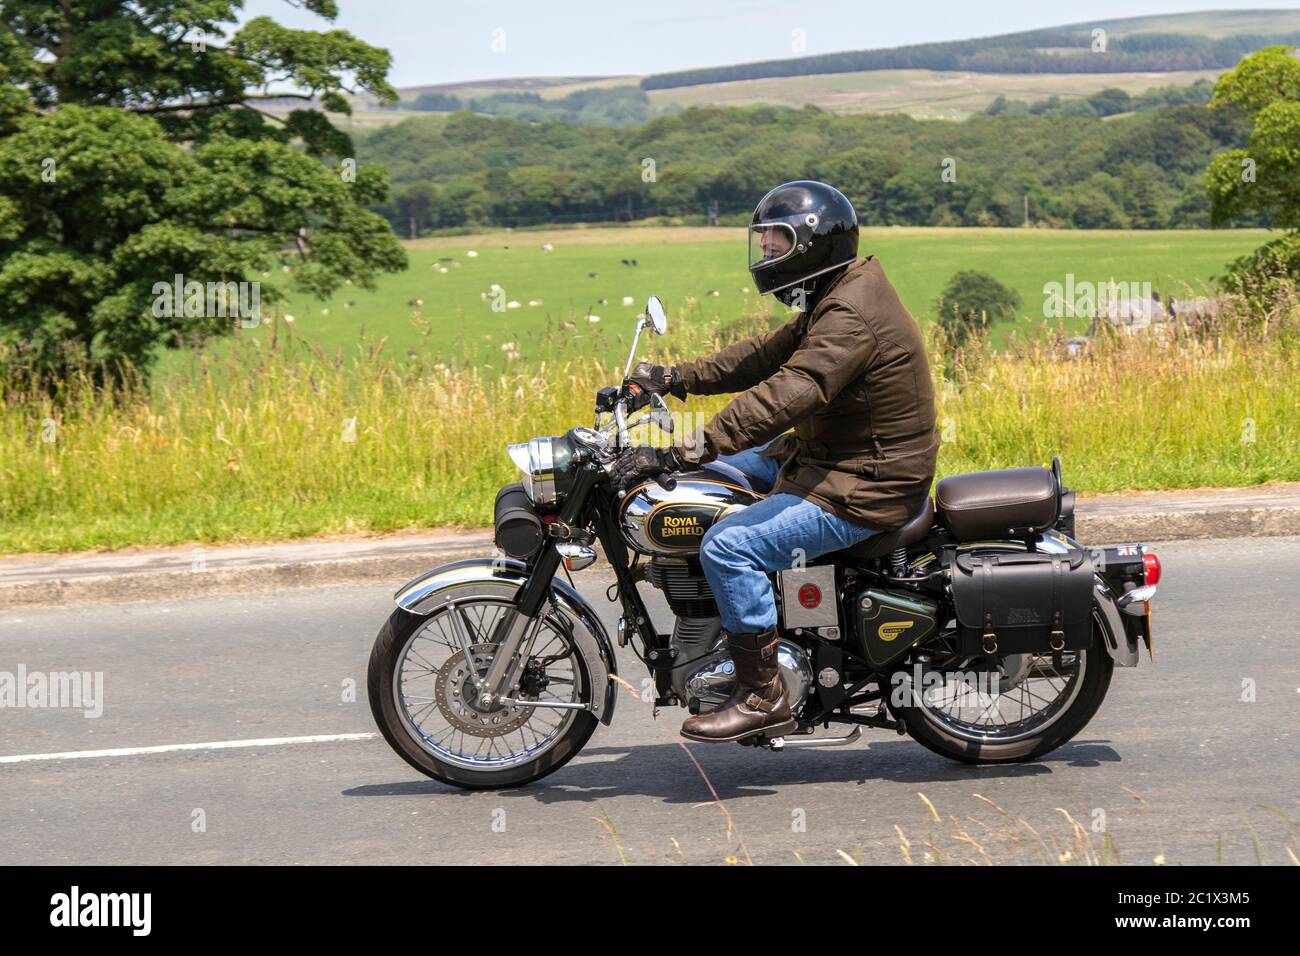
[[898, 562]]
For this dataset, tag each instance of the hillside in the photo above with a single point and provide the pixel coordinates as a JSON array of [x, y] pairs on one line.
[[1192, 41], [931, 81], [921, 94]]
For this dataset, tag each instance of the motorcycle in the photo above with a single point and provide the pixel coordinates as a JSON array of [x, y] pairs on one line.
[[980, 628]]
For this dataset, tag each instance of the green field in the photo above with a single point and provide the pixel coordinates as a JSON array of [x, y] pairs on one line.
[[922, 94], [683, 265]]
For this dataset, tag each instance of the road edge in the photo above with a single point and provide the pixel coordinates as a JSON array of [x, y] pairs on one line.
[[394, 570]]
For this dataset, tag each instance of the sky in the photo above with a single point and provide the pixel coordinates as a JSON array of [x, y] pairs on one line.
[[435, 42]]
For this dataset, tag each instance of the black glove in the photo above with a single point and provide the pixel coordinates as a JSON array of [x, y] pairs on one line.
[[645, 461], [653, 380]]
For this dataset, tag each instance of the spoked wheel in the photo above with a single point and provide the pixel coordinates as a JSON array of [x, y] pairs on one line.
[[1004, 709], [423, 697]]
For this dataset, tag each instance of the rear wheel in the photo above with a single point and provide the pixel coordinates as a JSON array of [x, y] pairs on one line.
[[1006, 709], [421, 687]]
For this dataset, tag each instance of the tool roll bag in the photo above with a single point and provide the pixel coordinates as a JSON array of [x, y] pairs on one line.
[[1022, 603]]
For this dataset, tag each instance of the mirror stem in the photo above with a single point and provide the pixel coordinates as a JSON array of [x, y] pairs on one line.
[[631, 355]]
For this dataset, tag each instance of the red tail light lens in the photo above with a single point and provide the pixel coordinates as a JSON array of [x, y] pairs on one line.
[[1151, 564]]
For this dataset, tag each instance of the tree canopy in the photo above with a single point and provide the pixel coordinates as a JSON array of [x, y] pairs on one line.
[[1143, 170], [135, 147]]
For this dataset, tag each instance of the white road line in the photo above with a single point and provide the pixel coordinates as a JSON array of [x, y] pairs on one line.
[[170, 748]]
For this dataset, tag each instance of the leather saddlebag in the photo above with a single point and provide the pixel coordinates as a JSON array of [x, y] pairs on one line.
[[1020, 603]]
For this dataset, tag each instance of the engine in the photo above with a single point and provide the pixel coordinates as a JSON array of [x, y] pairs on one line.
[[668, 526], [707, 680]]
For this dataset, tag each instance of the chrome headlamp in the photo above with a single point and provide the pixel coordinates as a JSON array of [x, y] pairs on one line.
[[545, 463]]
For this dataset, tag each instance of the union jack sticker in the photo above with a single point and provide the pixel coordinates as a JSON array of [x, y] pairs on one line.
[[1127, 550]]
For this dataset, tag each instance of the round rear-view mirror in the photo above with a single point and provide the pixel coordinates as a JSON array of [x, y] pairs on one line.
[[654, 309]]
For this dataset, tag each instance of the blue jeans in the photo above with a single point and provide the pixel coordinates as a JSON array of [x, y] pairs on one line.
[[770, 535]]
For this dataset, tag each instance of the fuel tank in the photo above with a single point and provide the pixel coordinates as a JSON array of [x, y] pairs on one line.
[[659, 522]]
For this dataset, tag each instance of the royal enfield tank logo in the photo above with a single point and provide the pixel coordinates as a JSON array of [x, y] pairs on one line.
[[681, 526], [810, 595], [891, 629]]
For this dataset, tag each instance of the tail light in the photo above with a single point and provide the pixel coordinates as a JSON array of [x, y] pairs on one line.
[[1151, 567]]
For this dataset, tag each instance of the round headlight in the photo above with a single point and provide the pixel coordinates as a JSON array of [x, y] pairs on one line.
[[545, 463]]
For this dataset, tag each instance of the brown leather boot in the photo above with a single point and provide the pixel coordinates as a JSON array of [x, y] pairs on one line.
[[758, 704]]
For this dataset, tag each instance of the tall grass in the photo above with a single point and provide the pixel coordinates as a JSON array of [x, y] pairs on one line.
[[276, 438]]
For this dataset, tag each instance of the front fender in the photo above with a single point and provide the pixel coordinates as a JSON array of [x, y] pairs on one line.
[[502, 578]]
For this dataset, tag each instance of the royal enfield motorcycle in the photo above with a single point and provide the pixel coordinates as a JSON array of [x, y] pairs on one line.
[[980, 628]]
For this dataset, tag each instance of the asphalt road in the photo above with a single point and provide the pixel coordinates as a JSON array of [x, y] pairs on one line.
[[1191, 759]]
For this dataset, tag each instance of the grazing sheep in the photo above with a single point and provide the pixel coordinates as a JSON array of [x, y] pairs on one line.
[[593, 318], [472, 254], [628, 300]]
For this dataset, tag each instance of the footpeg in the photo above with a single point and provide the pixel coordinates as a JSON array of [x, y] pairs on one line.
[[779, 744]]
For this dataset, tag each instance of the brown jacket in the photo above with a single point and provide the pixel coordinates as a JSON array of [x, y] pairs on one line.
[[852, 378]]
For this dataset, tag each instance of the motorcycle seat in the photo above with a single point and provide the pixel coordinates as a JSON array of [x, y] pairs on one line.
[[996, 504], [916, 528]]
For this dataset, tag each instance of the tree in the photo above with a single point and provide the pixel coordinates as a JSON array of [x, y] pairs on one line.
[[970, 302], [1111, 101], [1264, 177], [136, 145]]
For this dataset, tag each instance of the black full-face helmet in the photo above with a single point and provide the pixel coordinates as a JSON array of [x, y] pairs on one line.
[[800, 230]]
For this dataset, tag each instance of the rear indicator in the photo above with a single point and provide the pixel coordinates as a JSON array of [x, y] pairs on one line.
[[1151, 565]]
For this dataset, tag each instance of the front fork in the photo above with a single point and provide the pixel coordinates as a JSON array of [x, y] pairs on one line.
[[518, 628]]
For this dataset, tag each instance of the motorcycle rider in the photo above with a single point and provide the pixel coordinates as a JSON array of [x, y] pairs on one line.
[[849, 374]]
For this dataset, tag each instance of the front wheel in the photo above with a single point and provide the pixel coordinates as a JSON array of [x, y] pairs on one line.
[[1006, 709], [421, 690]]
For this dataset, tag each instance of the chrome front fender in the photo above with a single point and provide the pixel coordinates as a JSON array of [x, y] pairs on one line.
[[502, 578]]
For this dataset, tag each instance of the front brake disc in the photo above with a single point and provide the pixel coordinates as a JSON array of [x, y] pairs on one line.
[[458, 700]]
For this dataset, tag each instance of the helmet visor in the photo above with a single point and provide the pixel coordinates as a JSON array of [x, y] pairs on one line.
[[769, 243]]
